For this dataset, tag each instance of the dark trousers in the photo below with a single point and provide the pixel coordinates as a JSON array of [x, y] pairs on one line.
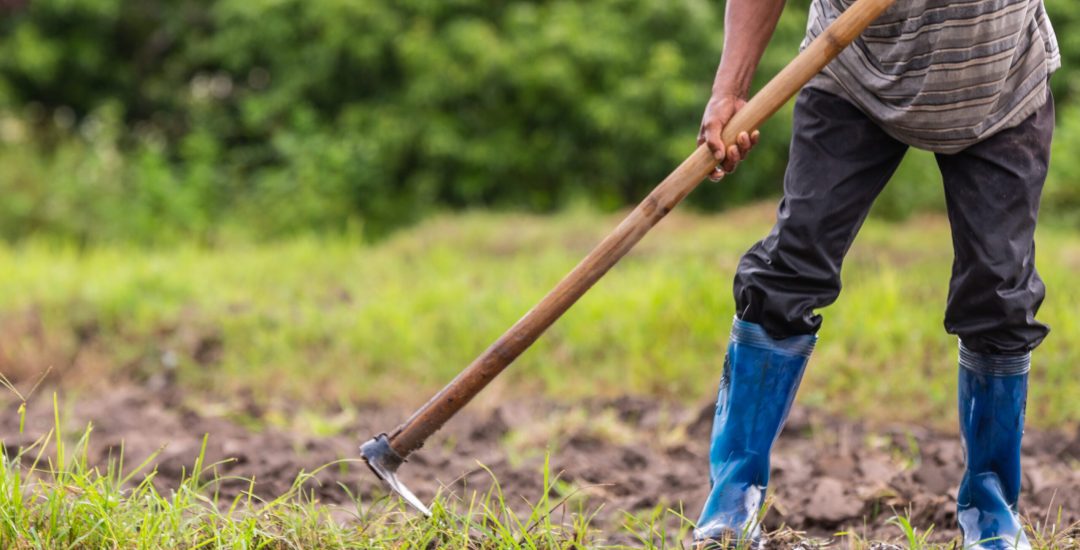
[[839, 161]]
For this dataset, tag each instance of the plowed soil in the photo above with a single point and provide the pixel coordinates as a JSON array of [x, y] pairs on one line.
[[625, 454]]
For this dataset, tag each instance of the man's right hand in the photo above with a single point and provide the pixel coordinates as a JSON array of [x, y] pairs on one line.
[[718, 113]]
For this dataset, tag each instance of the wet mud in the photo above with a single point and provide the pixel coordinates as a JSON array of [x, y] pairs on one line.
[[631, 454]]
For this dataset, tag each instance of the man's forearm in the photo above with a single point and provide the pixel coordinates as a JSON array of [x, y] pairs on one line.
[[748, 26]]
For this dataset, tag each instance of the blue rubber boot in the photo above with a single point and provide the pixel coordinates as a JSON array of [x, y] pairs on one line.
[[761, 376], [993, 395]]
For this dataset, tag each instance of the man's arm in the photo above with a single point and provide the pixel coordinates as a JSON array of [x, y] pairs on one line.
[[748, 26]]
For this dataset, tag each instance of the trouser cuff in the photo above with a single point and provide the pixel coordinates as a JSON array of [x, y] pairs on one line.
[[753, 334], [994, 365]]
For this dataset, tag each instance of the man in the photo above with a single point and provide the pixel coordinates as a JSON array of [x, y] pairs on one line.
[[966, 79]]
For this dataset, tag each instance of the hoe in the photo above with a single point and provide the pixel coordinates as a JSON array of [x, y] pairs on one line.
[[385, 453]]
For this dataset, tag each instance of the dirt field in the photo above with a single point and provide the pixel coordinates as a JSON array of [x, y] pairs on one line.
[[625, 454]]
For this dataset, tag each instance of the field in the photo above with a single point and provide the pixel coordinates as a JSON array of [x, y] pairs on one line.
[[287, 355]]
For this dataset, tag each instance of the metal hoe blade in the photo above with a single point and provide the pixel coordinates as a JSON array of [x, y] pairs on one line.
[[384, 462]]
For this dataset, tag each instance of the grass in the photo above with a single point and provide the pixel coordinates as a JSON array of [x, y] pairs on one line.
[[396, 320], [334, 322], [52, 498]]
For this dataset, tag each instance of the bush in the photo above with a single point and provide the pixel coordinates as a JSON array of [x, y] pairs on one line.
[[155, 120], [298, 115]]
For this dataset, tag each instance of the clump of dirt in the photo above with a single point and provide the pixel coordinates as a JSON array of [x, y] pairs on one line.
[[629, 454]]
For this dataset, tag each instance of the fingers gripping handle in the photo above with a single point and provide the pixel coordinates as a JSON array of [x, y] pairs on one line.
[[428, 419]]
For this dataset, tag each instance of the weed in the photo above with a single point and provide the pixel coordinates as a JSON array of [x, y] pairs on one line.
[[915, 539]]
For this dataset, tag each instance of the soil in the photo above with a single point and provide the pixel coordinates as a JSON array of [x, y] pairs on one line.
[[632, 454]]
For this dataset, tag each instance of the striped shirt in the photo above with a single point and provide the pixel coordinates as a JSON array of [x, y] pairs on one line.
[[943, 74]]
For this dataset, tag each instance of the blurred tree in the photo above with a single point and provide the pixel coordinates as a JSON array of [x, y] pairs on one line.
[[281, 116]]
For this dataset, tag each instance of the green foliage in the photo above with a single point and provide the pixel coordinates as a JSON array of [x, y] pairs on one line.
[[1066, 21], [291, 116], [1061, 198], [157, 121]]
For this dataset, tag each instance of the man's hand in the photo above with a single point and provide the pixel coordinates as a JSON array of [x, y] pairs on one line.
[[718, 112], [748, 25]]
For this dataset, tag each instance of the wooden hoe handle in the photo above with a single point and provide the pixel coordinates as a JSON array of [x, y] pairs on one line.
[[428, 419]]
